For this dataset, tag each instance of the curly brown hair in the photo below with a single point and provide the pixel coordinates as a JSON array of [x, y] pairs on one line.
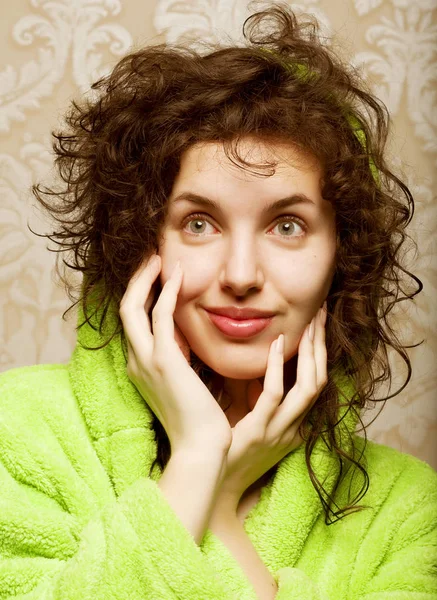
[[120, 154]]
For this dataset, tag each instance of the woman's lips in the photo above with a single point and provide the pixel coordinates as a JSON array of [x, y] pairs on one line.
[[237, 328]]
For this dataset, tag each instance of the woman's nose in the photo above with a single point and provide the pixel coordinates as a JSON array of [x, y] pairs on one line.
[[242, 273]]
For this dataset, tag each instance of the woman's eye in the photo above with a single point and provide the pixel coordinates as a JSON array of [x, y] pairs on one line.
[[287, 225], [197, 227]]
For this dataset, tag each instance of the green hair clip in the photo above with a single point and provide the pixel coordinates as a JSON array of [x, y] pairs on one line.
[[302, 72]]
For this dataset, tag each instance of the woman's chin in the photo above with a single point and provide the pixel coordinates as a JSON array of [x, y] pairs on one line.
[[234, 369], [231, 372]]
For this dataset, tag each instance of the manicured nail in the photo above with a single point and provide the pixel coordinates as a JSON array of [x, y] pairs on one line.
[[153, 261], [324, 313], [177, 269], [311, 331], [280, 344], [320, 315]]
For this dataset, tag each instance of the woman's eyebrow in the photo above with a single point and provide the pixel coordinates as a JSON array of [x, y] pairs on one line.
[[276, 205]]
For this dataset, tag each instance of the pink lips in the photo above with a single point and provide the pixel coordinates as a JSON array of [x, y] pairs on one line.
[[239, 329]]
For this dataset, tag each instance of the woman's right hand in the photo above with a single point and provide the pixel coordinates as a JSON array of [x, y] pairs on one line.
[[156, 365]]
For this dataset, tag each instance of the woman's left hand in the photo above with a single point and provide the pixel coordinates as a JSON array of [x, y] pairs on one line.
[[271, 430]]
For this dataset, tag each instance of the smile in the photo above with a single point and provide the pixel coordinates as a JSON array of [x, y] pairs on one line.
[[237, 328]]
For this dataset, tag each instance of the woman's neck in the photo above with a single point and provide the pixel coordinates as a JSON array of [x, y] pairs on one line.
[[239, 396]]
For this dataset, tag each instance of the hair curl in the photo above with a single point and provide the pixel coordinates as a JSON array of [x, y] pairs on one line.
[[121, 152]]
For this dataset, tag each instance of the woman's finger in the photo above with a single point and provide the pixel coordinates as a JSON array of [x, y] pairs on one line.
[[162, 314], [320, 359], [273, 390], [320, 352], [134, 317], [305, 389]]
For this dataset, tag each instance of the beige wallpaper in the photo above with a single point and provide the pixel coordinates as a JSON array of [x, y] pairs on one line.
[[50, 52]]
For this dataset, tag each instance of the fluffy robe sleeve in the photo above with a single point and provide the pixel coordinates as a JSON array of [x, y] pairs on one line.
[[397, 557], [63, 532]]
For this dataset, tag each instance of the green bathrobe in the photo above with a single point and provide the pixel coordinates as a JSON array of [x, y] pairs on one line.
[[80, 518]]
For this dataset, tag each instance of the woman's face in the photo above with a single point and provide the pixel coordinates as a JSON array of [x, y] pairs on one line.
[[241, 255]]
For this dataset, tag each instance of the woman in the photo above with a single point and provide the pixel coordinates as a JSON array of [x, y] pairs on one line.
[[187, 454]]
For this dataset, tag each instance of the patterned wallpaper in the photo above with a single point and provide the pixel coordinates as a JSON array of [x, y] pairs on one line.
[[51, 50]]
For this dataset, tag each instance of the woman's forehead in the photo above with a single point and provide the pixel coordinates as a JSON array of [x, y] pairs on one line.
[[207, 177], [278, 154]]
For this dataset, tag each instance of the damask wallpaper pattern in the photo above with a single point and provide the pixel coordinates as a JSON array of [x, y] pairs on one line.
[[51, 51]]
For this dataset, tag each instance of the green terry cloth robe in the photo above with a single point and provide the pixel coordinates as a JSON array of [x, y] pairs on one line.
[[80, 518]]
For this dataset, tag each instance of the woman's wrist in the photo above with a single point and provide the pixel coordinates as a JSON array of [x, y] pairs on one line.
[[230, 531], [191, 483]]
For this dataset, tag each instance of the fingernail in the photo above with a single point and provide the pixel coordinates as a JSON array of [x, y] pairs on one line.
[[280, 344], [324, 315], [311, 331], [177, 269], [321, 315], [153, 260]]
